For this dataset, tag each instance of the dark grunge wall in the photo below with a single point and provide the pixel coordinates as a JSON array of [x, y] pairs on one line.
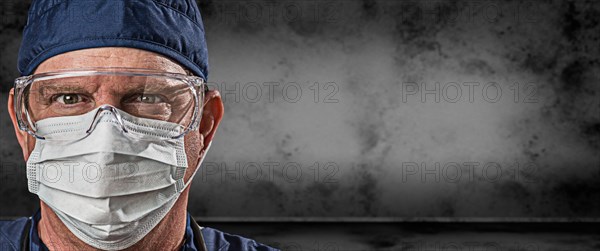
[[385, 108]]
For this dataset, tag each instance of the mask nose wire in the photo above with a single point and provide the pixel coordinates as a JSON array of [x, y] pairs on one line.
[[114, 112]]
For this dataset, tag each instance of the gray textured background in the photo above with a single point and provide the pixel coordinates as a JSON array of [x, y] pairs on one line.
[[367, 143]]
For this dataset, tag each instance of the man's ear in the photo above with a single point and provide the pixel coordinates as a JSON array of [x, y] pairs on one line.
[[25, 140], [212, 113]]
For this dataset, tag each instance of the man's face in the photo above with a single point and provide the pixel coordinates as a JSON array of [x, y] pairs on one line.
[[109, 92]]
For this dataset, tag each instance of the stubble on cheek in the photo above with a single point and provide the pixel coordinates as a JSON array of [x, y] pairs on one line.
[[193, 146]]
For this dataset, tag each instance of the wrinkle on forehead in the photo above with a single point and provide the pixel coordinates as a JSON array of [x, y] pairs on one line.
[[110, 57]]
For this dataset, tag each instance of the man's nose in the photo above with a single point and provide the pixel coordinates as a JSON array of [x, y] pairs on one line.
[[108, 94], [107, 110]]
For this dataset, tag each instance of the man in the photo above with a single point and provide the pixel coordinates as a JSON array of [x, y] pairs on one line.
[[114, 118]]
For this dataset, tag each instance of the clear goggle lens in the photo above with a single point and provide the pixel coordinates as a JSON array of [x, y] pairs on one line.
[[169, 97]]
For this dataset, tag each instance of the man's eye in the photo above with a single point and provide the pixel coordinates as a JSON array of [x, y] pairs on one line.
[[149, 98], [69, 99]]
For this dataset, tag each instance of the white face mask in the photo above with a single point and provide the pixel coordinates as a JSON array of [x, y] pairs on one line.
[[110, 188]]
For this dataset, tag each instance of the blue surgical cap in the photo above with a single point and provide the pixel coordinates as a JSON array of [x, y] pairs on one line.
[[172, 28]]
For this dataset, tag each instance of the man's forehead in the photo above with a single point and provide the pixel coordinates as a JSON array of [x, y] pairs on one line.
[[110, 57]]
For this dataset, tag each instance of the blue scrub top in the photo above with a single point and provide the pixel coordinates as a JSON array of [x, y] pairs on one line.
[[13, 234]]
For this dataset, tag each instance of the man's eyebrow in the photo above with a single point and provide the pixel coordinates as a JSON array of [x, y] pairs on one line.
[[156, 87], [63, 86]]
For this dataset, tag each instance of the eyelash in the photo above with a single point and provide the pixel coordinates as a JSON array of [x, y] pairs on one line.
[[55, 98]]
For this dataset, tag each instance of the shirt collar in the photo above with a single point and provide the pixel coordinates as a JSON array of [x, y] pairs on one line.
[[189, 244], [36, 244]]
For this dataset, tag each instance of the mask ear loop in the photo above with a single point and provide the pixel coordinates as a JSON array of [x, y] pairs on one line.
[[197, 168], [27, 143], [206, 89]]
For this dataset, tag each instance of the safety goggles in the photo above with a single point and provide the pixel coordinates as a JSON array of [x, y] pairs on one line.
[[169, 97]]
